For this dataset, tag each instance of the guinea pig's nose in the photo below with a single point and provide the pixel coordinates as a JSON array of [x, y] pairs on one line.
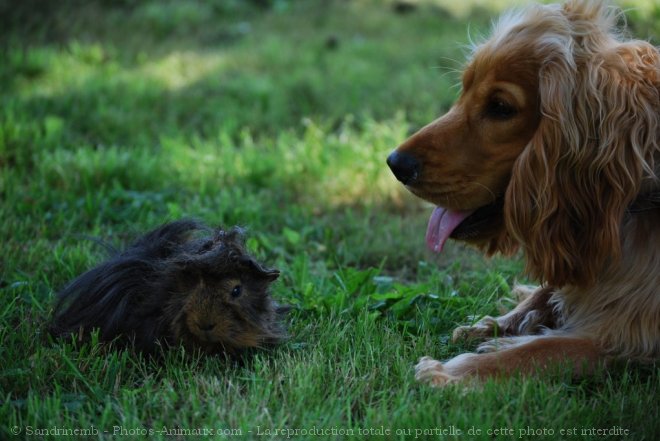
[[404, 166], [206, 327]]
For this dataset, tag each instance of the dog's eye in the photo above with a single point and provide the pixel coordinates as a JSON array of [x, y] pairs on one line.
[[499, 109], [236, 292]]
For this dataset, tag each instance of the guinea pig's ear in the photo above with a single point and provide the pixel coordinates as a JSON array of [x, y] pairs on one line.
[[270, 274]]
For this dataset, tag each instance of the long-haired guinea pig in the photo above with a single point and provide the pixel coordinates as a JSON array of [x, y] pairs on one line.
[[181, 283]]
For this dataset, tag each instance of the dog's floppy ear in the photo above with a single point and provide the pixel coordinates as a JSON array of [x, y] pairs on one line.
[[586, 162]]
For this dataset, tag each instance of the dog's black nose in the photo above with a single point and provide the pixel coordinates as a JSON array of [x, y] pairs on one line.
[[404, 167]]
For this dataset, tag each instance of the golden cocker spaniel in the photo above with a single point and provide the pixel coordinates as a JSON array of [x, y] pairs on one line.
[[552, 147]]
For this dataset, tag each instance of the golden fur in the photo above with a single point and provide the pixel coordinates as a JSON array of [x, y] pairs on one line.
[[559, 117]]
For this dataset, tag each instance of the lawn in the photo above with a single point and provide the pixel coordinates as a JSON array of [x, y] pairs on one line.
[[276, 115]]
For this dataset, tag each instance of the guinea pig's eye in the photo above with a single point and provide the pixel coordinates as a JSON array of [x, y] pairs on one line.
[[236, 291]]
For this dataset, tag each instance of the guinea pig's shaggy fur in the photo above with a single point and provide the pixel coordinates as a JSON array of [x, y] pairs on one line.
[[182, 283]]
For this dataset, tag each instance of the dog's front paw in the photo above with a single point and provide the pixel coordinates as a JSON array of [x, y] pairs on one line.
[[433, 373], [487, 327]]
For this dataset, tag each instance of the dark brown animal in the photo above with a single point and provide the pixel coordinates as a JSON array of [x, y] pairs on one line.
[[181, 283]]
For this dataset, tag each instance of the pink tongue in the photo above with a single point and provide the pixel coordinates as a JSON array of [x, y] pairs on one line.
[[441, 225]]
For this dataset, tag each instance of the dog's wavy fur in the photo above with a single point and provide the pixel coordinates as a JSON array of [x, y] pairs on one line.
[[580, 187]]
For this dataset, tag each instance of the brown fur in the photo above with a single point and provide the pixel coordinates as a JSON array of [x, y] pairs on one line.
[[572, 161], [182, 283]]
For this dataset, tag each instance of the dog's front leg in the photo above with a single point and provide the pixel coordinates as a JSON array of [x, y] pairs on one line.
[[533, 313], [527, 355]]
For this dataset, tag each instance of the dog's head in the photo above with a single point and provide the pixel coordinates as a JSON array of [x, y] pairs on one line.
[[551, 139]]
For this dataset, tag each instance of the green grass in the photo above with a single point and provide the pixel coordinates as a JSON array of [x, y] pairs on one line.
[[275, 115]]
